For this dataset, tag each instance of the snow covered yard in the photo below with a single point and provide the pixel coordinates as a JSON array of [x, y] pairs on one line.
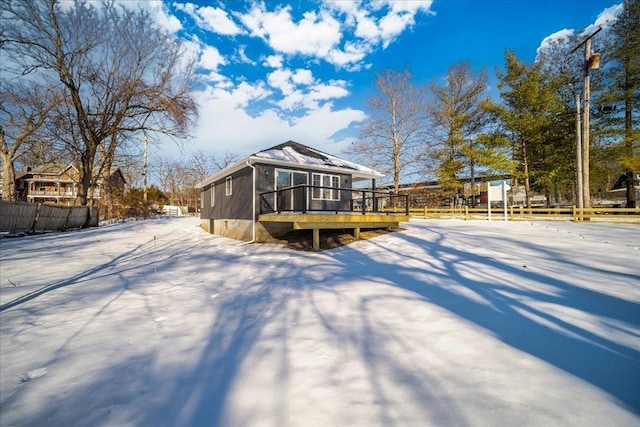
[[477, 323]]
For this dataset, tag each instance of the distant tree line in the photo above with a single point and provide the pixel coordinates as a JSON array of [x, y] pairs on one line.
[[452, 131]]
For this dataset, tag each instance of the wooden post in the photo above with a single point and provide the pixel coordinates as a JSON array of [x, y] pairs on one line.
[[585, 124], [466, 212], [356, 233], [579, 164], [316, 239], [511, 212], [425, 212]]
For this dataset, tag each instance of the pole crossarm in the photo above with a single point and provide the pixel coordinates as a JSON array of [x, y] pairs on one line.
[[586, 39]]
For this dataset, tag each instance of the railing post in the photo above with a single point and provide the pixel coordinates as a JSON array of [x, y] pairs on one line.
[[364, 203], [304, 197], [406, 204], [425, 212]]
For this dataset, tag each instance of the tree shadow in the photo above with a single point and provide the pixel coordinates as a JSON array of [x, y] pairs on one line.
[[523, 317], [523, 308]]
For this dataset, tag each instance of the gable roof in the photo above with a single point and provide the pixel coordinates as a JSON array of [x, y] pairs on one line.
[[47, 168], [293, 154], [60, 168]]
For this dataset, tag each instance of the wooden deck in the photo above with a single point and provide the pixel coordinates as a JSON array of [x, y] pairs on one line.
[[319, 221]]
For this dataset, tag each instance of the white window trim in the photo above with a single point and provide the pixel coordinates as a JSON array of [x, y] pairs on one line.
[[213, 195], [332, 192], [228, 188]]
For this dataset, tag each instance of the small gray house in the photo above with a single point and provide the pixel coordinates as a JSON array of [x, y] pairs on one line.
[[292, 186]]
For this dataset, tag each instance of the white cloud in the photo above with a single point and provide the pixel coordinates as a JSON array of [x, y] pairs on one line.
[[188, 8], [246, 92], [216, 20], [302, 77], [301, 90], [211, 58], [241, 55], [167, 21], [605, 19], [367, 28], [314, 35], [373, 23], [353, 53], [609, 15], [562, 37], [156, 9], [329, 91], [281, 79], [226, 126], [273, 61]]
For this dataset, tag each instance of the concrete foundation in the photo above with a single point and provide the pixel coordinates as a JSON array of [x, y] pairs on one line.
[[239, 229]]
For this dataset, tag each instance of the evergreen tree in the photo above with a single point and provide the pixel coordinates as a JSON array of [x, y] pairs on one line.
[[456, 119], [528, 118], [620, 100]]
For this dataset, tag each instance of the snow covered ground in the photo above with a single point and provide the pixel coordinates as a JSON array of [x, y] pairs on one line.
[[157, 323]]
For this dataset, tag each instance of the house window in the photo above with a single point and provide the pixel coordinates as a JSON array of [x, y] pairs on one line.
[[323, 180], [213, 195], [228, 187]]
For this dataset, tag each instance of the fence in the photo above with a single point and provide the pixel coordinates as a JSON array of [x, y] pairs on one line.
[[515, 213], [21, 217]]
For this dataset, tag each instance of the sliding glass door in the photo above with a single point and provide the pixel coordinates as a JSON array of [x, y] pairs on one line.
[[294, 199]]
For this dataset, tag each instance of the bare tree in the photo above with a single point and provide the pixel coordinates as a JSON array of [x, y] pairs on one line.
[[121, 74], [394, 127], [24, 108], [227, 159], [178, 178], [455, 117]]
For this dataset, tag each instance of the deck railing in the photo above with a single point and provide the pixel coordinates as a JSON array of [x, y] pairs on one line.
[[316, 198]]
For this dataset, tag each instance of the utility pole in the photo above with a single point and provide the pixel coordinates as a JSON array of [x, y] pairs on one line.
[[585, 133], [579, 176], [592, 62]]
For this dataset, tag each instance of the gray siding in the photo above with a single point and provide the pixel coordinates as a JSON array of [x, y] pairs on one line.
[[238, 204], [235, 206]]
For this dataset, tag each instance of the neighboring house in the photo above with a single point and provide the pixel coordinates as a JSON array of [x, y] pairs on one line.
[[292, 186], [57, 184], [619, 189]]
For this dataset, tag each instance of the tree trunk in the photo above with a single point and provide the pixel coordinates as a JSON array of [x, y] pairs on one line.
[[631, 190], [525, 164], [8, 179], [473, 184], [628, 131]]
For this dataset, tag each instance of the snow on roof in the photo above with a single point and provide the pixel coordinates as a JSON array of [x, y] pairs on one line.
[[294, 152]]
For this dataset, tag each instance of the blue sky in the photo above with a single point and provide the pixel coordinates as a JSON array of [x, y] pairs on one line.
[[273, 71]]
